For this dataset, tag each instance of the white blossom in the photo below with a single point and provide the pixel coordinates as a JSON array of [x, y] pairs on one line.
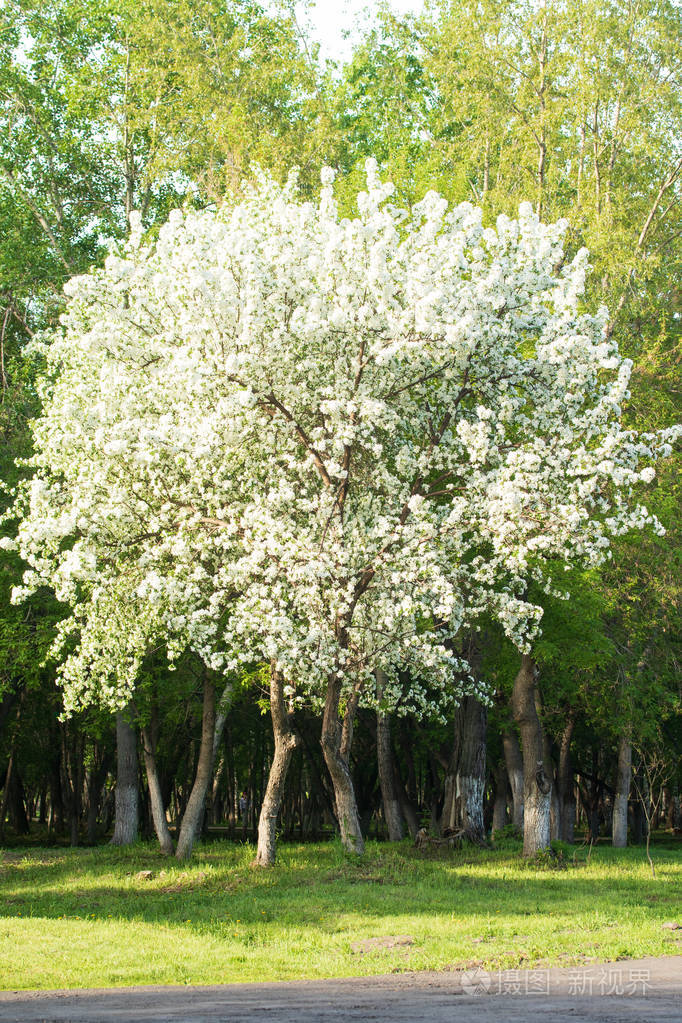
[[275, 434]]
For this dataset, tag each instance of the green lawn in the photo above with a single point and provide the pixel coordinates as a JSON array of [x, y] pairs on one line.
[[83, 918]]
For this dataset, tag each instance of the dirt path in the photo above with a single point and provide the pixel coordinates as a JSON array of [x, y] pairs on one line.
[[645, 990]]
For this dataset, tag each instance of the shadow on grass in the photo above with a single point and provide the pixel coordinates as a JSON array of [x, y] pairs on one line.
[[313, 885]]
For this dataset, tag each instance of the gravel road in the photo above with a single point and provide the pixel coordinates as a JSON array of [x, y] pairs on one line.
[[645, 991]]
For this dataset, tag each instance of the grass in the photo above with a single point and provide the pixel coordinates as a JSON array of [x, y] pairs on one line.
[[84, 918]]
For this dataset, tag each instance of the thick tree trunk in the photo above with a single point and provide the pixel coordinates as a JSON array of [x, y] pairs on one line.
[[17, 805], [127, 798], [387, 779], [565, 786], [286, 741], [514, 762], [620, 802], [465, 778], [537, 787], [155, 796], [500, 804], [336, 753], [194, 811]]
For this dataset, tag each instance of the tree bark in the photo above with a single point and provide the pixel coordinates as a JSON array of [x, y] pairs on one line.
[[514, 762], [565, 782], [336, 759], [155, 796], [286, 741], [5, 794], [537, 787], [387, 779], [194, 811], [223, 707], [126, 796], [465, 776], [620, 803], [500, 804], [96, 777], [471, 720]]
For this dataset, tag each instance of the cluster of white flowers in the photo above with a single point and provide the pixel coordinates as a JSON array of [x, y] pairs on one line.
[[329, 443]]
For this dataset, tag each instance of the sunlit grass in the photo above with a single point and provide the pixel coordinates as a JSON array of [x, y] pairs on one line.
[[84, 918]]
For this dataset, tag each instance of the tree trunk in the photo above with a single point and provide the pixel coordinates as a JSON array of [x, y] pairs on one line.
[[222, 710], [17, 804], [387, 780], [155, 797], [565, 782], [56, 818], [286, 741], [96, 777], [500, 805], [5, 794], [537, 787], [223, 707], [127, 796], [465, 778], [408, 808], [336, 758], [620, 802], [514, 762], [194, 811], [407, 793]]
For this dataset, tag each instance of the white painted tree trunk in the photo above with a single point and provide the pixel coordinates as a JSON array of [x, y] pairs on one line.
[[537, 785], [126, 798]]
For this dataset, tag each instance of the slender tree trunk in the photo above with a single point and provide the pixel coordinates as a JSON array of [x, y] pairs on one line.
[[127, 797], [222, 710], [594, 798], [286, 741], [95, 784], [336, 759], [620, 802], [514, 762], [91, 784], [194, 811], [5, 794], [387, 780], [565, 782], [537, 787], [10, 774], [155, 796], [500, 804]]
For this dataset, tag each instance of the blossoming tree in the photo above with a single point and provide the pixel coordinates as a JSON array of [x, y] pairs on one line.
[[324, 443]]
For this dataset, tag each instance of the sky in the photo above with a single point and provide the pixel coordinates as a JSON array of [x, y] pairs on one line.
[[329, 18]]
